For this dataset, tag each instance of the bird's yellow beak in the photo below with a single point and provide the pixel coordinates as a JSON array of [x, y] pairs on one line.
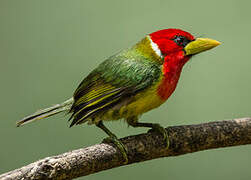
[[200, 45]]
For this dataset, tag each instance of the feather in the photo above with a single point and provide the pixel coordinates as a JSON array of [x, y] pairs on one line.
[[118, 78]]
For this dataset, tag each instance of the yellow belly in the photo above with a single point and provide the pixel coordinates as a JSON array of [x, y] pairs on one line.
[[137, 105]]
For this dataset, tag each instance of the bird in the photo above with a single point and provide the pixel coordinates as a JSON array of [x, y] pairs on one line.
[[130, 83]]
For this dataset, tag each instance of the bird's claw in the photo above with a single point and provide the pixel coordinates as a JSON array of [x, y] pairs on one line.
[[158, 128], [119, 144]]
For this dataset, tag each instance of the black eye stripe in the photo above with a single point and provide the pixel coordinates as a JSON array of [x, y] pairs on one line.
[[181, 40]]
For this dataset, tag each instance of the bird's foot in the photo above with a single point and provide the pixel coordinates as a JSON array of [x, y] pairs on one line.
[[119, 144], [158, 128]]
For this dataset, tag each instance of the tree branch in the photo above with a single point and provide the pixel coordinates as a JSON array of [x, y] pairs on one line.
[[142, 147]]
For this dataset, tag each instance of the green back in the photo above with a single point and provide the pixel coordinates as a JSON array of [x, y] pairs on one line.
[[120, 76]]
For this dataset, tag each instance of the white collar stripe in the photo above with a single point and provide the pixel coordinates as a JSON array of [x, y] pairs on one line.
[[155, 47]]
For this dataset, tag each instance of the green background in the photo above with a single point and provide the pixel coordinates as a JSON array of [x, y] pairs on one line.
[[47, 47]]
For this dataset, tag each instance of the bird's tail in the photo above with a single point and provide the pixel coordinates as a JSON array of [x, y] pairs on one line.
[[44, 113]]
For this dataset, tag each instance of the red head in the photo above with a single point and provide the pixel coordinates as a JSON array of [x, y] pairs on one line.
[[171, 41], [176, 47], [171, 44]]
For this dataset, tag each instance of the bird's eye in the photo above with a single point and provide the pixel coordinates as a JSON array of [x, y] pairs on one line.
[[181, 40]]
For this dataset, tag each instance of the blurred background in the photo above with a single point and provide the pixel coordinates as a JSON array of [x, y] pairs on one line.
[[47, 47]]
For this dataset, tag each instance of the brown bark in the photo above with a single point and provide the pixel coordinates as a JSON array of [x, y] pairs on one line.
[[142, 147]]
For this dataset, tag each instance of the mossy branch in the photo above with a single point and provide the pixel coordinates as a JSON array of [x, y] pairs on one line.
[[142, 147]]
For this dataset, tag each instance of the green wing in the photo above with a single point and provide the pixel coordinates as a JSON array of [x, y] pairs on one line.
[[117, 78]]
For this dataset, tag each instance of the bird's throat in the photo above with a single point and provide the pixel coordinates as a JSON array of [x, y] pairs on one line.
[[171, 69]]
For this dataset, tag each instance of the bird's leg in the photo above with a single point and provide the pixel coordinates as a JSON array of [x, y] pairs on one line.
[[113, 139], [155, 127]]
